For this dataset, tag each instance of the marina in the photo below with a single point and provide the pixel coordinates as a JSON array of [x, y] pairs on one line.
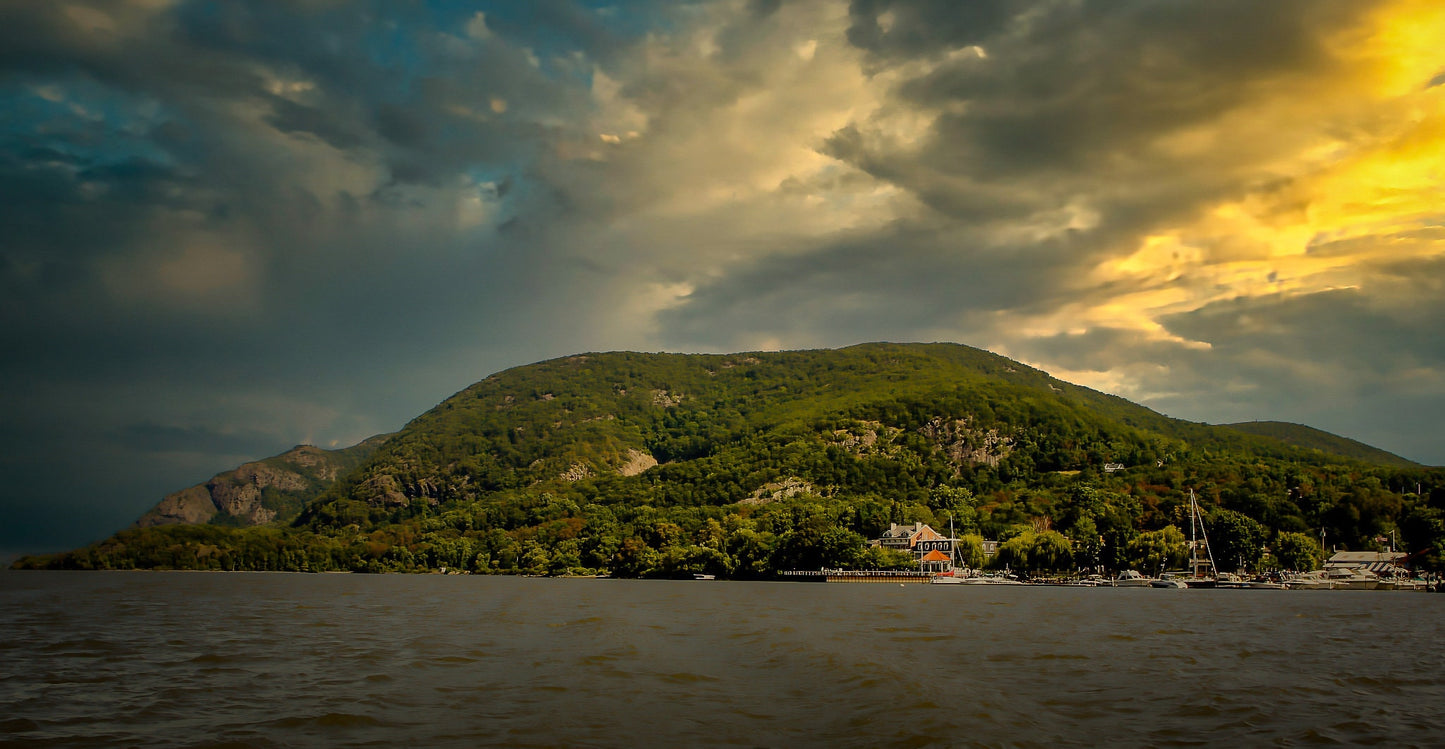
[[1318, 580], [938, 563]]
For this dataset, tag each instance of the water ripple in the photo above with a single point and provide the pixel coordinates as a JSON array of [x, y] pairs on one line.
[[218, 660]]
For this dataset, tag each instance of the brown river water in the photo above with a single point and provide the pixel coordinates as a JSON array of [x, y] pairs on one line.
[[238, 659]]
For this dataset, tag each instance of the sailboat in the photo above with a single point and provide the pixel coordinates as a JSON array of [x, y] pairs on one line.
[[951, 577], [1197, 565]]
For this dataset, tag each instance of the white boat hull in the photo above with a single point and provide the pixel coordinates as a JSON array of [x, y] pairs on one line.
[[1132, 579]]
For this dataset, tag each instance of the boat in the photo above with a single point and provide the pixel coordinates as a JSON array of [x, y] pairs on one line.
[[1309, 581], [992, 580], [1132, 579], [1197, 564], [942, 579], [1264, 583], [950, 576], [1401, 580], [1230, 580], [1352, 578], [1411, 583], [1167, 582], [702, 576]]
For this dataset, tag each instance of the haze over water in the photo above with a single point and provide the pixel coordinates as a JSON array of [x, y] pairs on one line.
[[212, 659]]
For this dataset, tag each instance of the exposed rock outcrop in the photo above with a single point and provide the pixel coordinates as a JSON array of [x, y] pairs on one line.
[[964, 445], [866, 438], [576, 472], [259, 492], [637, 462], [772, 492], [666, 399], [383, 489]]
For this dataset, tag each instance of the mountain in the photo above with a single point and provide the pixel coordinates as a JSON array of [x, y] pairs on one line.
[[745, 464], [1310, 438], [272, 489]]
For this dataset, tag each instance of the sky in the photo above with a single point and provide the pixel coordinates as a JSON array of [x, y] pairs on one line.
[[233, 227]]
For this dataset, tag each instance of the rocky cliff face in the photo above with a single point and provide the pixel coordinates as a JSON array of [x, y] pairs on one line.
[[965, 445], [260, 492]]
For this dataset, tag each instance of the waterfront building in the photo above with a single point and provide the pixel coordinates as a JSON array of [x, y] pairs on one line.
[[907, 537], [1378, 562]]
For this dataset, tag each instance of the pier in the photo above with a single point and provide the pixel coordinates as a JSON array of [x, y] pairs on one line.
[[857, 576]]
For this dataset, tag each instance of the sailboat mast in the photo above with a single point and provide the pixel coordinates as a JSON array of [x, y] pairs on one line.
[[1196, 524], [1194, 506], [1193, 539], [952, 546]]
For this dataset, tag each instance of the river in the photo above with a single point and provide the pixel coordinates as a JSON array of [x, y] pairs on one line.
[[254, 659]]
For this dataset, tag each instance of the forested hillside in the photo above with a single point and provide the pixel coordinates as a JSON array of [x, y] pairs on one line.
[[1310, 438], [743, 465]]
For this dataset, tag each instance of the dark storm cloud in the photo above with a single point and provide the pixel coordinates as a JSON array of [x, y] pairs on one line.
[[235, 226], [1063, 105], [1059, 112], [926, 27], [1070, 97], [217, 212], [1379, 331], [1076, 86], [763, 8], [289, 117], [877, 285]]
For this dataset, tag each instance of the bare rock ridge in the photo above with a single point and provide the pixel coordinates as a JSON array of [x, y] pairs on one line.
[[261, 491]]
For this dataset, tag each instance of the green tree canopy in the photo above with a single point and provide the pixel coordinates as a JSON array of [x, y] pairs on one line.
[[1298, 551]]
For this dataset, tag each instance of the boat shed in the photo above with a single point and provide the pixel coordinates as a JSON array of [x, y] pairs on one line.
[[1374, 561]]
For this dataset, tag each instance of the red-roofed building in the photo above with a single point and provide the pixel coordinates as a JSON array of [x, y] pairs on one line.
[[933, 550], [936, 561], [906, 537]]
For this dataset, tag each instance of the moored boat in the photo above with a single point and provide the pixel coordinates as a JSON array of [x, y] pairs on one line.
[[1230, 580], [1202, 572], [1352, 578], [974, 580], [1315, 580], [1132, 579]]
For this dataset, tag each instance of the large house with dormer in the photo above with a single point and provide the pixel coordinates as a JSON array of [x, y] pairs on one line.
[[906, 537], [933, 550]]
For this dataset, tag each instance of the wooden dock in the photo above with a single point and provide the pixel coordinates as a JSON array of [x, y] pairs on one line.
[[858, 576]]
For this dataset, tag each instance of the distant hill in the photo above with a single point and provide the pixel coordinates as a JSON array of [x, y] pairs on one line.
[[1310, 438], [744, 464], [264, 491]]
